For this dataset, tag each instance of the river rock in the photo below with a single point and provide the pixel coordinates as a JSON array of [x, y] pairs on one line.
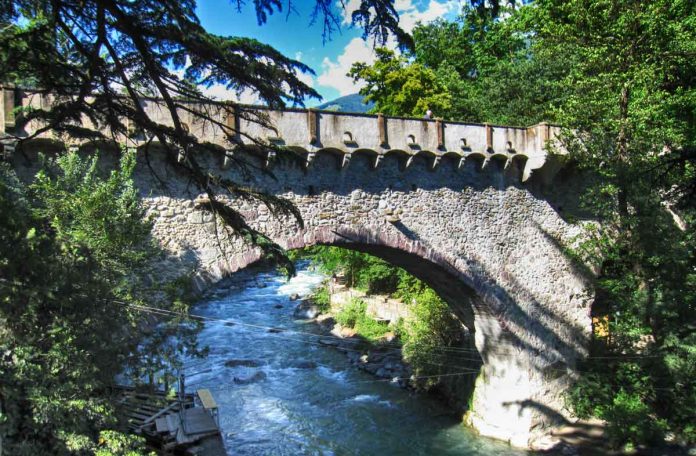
[[326, 322], [294, 297], [243, 362], [328, 342], [306, 310], [303, 364], [275, 330], [257, 377], [278, 306]]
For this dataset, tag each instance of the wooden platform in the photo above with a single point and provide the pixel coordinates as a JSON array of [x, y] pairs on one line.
[[183, 427]]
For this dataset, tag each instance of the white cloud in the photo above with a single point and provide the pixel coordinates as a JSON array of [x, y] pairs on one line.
[[347, 8], [409, 13], [220, 92], [306, 78], [334, 72]]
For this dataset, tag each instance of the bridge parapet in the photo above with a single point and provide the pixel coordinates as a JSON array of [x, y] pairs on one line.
[[310, 131]]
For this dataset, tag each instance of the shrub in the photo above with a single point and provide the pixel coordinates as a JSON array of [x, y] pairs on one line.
[[354, 315], [630, 420], [322, 299]]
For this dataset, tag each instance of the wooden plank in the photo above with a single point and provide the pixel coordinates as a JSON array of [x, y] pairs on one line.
[[139, 416], [167, 409], [206, 399], [198, 421], [167, 424]]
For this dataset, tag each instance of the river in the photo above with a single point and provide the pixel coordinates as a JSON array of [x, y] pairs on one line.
[[310, 400]]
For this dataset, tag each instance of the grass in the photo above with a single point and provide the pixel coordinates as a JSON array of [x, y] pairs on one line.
[[354, 315]]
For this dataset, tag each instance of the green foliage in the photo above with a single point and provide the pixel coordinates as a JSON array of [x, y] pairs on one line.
[[322, 299], [400, 89], [113, 443], [351, 313], [425, 337], [68, 257], [95, 214], [431, 329], [630, 420], [630, 103], [354, 315], [360, 270]]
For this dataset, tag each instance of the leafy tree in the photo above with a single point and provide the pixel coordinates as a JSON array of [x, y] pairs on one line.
[[69, 255], [478, 68], [398, 88], [99, 59], [629, 105]]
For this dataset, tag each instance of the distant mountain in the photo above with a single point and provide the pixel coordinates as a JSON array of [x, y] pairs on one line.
[[348, 103]]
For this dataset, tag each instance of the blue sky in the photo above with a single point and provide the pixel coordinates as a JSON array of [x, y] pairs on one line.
[[293, 36]]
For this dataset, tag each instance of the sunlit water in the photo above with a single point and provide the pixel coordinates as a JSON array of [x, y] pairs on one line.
[[331, 409]]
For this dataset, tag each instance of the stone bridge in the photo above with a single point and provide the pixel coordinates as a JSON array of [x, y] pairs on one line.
[[461, 206]]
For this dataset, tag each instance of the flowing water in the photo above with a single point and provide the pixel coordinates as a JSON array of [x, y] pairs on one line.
[[305, 398]]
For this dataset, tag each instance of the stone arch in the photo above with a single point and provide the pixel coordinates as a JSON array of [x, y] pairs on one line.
[[336, 156], [437, 269], [475, 160], [516, 165], [498, 160], [510, 399], [494, 249]]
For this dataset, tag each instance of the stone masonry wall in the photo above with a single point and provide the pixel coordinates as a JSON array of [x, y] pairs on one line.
[[481, 238]]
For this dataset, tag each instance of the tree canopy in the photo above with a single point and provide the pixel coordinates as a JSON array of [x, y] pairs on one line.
[[99, 59], [71, 252], [620, 77]]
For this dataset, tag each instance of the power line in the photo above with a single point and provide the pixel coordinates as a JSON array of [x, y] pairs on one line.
[[471, 351], [462, 356]]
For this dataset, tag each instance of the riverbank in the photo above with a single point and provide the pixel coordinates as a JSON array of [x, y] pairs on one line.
[[372, 343], [384, 359]]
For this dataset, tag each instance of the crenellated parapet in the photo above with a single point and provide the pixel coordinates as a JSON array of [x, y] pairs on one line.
[[310, 131]]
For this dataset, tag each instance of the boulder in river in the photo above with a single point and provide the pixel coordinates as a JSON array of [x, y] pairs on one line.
[[243, 362], [257, 377], [306, 310], [294, 297], [275, 330], [302, 364], [328, 341], [278, 306]]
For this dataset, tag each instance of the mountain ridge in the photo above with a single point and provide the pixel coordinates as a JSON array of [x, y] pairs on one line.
[[347, 103]]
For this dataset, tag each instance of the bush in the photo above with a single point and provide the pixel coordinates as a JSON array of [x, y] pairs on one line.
[[322, 299], [351, 313], [630, 420], [354, 315]]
